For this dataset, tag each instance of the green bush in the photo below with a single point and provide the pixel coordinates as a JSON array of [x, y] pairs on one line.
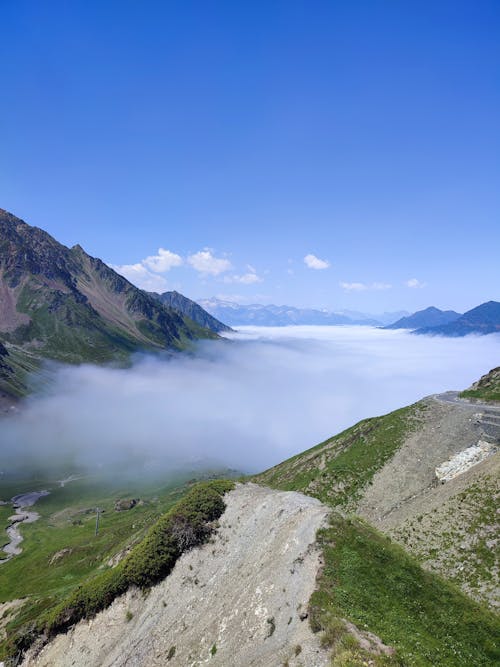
[[187, 524]]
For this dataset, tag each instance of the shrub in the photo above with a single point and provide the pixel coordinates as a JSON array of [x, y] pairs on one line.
[[187, 524]]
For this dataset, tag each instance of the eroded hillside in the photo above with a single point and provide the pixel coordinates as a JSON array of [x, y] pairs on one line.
[[384, 469], [241, 599]]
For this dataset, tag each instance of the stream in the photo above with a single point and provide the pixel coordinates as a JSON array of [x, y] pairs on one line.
[[20, 503]]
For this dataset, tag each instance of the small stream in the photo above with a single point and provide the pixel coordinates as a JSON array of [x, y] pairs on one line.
[[22, 515]]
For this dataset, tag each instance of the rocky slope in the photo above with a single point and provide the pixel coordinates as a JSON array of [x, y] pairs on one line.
[[63, 304], [384, 469], [241, 599], [191, 309]]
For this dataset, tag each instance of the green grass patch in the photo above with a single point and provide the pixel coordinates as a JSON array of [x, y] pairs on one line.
[[376, 585], [61, 550], [184, 526], [492, 394], [337, 470], [487, 388]]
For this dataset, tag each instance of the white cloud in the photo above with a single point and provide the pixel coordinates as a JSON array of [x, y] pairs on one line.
[[163, 261], [313, 262], [144, 415], [249, 278], [205, 262], [141, 277], [414, 283], [361, 287]]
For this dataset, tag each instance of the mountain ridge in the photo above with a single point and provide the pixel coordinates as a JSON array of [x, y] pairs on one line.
[[256, 314], [483, 319], [191, 309], [428, 317], [63, 304]]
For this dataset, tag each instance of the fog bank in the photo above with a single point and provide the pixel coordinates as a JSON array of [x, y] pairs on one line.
[[246, 403]]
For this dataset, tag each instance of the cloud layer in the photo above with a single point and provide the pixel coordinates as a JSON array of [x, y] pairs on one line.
[[247, 403]]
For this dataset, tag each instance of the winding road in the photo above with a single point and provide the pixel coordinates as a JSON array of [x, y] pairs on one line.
[[454, 397], [487, 414]]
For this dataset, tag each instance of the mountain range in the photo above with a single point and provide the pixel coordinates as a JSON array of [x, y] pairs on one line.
[[430, 317], [483, 319], [256, 314], [61, 303], [375, 547]]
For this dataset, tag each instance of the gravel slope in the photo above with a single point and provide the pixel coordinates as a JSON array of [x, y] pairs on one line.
[[235, 601]]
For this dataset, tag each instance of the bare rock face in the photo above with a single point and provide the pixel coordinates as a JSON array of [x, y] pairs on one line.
[[461, 462], [123, 504], [240, 599]]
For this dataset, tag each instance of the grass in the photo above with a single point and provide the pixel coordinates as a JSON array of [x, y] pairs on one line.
[[182, 527], [67, 521], [465, 550], [337, 470], [372, 582], [376, 585], [482, 394], [487, 388]]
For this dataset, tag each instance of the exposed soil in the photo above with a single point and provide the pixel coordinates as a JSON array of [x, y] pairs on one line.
[[239, 600], [450, 522]]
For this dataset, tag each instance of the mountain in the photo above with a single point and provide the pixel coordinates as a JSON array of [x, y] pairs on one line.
[[61, 303], [483, 319], [191, 309], [277, 316], [350, 553], [430, 317], [384, 318], [426, 475]]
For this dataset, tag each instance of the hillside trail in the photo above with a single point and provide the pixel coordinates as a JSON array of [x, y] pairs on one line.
[[454, 397], [240, 599], [407, 484]]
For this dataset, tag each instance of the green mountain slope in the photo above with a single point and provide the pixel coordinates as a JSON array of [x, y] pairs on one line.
[[402, 582], [385, 470], [487, 388], [369, 584], [337, 470], [63, 304]]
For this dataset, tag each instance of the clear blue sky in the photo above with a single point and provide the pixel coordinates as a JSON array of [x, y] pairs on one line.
[[364, 134]]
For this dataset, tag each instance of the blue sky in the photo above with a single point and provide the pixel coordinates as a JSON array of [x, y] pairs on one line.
[[245, 137]]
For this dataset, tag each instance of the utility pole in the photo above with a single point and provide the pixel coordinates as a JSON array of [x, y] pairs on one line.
[[97, 509]]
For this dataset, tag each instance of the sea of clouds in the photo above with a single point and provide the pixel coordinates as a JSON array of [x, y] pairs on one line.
[[246, 403]]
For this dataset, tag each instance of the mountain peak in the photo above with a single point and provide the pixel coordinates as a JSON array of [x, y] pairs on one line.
[[64, 304]]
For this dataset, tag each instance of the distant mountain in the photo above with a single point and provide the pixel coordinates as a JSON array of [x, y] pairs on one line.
[[483, 319], [430, 317], [383, 318], [63, 304], [191, 309], [277, 316]]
